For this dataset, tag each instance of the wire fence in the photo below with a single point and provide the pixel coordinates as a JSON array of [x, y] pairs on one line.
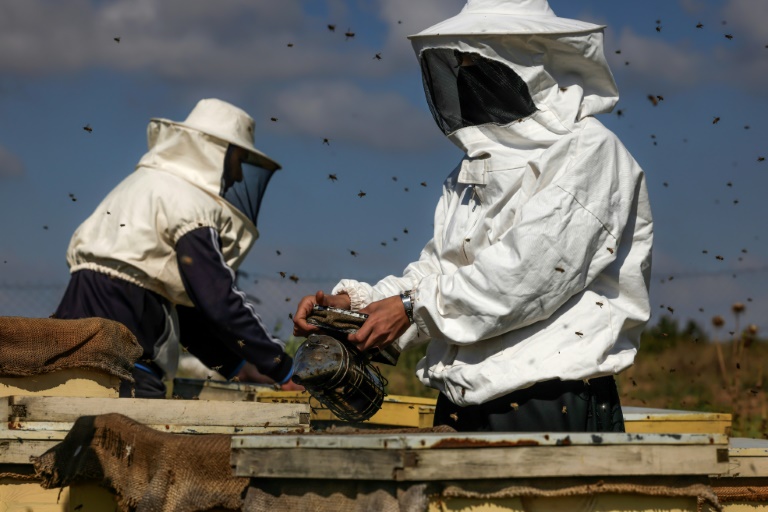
[[274, 298]]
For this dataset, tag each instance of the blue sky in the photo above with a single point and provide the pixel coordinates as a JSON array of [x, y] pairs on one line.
[[61, 69]]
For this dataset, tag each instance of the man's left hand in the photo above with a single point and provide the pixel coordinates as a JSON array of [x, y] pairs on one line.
[[386, 322]]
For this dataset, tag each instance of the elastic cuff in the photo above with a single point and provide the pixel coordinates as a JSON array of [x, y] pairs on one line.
[[290, 374], [237, 369], [359, 293], [283, 371]]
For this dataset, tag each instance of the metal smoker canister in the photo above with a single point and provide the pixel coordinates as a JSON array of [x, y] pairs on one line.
[[340, 377]]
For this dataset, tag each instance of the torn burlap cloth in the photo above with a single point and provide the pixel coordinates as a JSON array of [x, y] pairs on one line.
[[32, 346], [749, 490], [149, 471], [268, 495]]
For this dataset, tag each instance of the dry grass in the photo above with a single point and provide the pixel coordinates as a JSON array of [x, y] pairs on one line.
[[717, 376]]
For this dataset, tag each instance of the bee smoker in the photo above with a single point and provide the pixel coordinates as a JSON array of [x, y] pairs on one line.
[[340, 377]]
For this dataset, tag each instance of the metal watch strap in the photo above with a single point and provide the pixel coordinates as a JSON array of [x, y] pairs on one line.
[[407, 304]]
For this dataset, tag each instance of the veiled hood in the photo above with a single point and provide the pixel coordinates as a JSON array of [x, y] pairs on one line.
[[561, 61], [200, 150]]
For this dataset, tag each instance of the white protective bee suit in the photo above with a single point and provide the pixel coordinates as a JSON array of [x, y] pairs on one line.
[[159, 253], [540, 261]]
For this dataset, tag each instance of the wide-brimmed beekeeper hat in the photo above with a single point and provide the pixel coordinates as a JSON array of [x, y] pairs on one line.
[[228, 123], [507, 17]]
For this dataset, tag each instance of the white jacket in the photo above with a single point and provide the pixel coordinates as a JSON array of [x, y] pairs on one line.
[[540, 261], [174, 189]]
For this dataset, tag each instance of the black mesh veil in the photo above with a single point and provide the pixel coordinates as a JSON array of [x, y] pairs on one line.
[[243, 184], [466, 89]]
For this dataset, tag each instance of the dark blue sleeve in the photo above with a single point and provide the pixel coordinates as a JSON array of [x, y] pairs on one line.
[[210, 284]]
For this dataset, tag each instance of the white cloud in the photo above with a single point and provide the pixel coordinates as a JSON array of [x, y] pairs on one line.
[[179, 39], [654, 61], [747, 19], [408, 17], [10, 165], [342, 110]]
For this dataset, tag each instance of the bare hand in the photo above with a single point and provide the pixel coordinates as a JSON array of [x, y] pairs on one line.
[[386, 322], [300, 325], [291, 386], [249, 373]]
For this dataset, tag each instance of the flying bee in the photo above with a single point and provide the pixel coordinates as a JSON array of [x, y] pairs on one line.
[[405, 230], [699, 25], [599, 304], [361, 194], [88, 128], [377, 56], [277, 359], [729, 36], [720, 258], [273, 119], [514, 405], [294, 278], [116, 39], [564, 410], [560, 269], [332, 177], [716, 120], [353, 253], [579, 334], [332, 28], [423, 183], [290, 45], [761, 159], [327, 142], [241, 343], [217, 368], [282, 274], [349, 34], [609, 250], [454, 416], [653, 99]]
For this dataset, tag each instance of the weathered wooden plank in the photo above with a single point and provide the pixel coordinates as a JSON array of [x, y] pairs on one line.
[[436, 441], [748, 458], [317, 463], [67, 382], [480, 463], [18, 451], [60, 412]]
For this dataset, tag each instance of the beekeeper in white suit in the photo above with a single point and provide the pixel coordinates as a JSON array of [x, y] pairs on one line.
[[159, 254], [534, 289]]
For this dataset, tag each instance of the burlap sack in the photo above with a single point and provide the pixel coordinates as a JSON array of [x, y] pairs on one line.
[[149, 471], [32, 346]]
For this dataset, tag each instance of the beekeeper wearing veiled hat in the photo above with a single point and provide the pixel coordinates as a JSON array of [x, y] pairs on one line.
[[159, 253], [534, 290]]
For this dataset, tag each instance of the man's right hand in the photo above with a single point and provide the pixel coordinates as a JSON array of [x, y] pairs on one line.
[[300, 325]]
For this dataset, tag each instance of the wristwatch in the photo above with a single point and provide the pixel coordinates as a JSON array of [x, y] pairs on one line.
[[407, 304]]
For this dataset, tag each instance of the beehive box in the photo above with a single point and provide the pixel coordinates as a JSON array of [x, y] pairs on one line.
[[67, 382], [34, 424], [659, 421], [487, 472]]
